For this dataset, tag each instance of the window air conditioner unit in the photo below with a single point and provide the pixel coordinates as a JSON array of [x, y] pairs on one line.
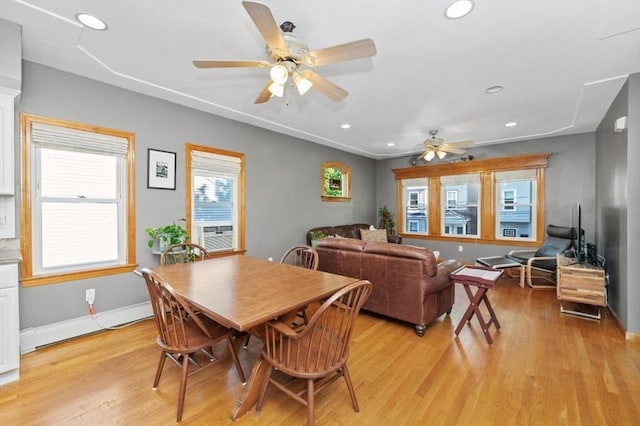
[[215, 238]]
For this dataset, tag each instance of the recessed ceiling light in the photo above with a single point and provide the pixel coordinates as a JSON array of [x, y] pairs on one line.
[[391, 144], [91, 21], [494, 89], [511, 124], [458, 9], [345, 126]]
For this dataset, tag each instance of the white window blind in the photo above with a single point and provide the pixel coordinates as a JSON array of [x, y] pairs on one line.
[[460, 179], [64, 138], [516, 175], [212, 165]]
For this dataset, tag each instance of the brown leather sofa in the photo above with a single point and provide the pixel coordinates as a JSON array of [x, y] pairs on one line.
[[408, 283], [348, 231]]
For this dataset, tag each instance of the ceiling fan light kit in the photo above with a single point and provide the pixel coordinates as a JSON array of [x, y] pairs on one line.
[[289, 55], [279, 74], [276, 89], [302, 84]]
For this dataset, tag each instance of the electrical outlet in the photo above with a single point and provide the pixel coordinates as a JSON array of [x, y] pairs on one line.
[[90, 295], [460, 248], [270, 259]]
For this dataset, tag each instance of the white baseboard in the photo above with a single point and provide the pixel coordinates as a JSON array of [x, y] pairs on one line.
[[33, 337]]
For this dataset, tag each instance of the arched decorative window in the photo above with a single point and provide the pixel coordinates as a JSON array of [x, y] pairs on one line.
[[336, 181]]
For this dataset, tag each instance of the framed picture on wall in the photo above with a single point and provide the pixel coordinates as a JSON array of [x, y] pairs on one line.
[[161, 169]]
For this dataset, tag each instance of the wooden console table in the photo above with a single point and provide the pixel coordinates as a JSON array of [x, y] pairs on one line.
[[580, 283]]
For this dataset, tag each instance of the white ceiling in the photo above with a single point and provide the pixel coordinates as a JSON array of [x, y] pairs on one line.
[[561, 63]]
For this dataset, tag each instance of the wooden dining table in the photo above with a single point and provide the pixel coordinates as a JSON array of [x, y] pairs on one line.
[[243, 292]]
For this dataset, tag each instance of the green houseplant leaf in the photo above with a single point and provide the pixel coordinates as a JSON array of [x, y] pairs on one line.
[[167, 235], [386, 220]]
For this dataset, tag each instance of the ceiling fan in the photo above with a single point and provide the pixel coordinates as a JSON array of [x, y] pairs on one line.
[[290, 57], [435, 146]]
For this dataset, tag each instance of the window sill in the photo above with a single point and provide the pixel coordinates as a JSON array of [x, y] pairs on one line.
[[335, 199], [74, 276], [471, 240]]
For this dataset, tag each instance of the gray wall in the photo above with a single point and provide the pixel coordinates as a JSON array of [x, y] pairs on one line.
[[618, 203], [282, 181], [569, 179]]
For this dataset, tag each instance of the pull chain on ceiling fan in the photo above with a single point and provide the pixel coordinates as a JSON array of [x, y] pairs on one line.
[[289, 56]]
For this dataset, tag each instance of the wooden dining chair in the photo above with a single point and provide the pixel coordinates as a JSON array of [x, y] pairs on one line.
[[317, 353], [301, 256], [182, 333], [183, 253]]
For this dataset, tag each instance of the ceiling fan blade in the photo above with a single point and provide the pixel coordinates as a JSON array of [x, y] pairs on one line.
[[265, 94], [324, 86], [449, 148], [345, 52], [231, 64], [263, 19]]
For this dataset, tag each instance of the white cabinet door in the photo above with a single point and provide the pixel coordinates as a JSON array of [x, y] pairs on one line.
[[9, 319], [6, 145]]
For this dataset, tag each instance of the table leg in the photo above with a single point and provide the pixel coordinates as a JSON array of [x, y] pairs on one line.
[[492, 314], [251, 393], [471, 309], [522, 272], [474, 309]]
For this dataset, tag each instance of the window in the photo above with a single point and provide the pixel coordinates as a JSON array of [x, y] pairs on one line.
[[509, 199], [452, 199], [460, 211], [413, 199], [78, 211], [509, 232], [492, 200], [415, 208], [215, 209], [517, 204], [335, 181]]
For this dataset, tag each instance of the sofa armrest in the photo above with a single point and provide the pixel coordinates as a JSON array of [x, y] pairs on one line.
[[397, 239], [449, 266]]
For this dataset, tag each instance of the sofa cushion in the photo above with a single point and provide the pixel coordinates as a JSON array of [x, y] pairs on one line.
[[371, 235], [350, 244], [348, 231], [412, 252]]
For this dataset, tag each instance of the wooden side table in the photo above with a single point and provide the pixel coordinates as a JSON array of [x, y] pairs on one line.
[[483, 279], [580, 283]]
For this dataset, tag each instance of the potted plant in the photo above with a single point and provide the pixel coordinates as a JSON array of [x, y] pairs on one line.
[[386, 220], [162, 237], [315, 236]]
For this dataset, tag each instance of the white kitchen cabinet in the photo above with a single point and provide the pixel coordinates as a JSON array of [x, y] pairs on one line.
[[9, 324]]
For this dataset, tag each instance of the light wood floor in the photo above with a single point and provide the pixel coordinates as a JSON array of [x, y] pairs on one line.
[[544, 368]]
